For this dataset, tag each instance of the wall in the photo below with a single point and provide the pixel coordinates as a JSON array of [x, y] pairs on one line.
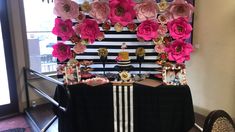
[[211, 71]]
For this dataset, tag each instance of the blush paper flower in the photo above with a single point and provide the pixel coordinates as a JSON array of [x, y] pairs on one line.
[[100, 11], [66, 9], [179, 51], [63, 29], [162, 30], [159, 48], [88, 29], [146, 10], [61, 51], [147, 30], [121, 11], [181, 8], [179, 28], [79, 48]]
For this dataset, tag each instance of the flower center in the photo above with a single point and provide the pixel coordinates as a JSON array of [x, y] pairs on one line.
[[119, 11], [66, 8], [180, 9], [63, 28], [62, 48], [180, 28], [178, 48]]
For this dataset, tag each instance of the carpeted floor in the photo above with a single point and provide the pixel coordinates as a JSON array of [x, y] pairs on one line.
[[15, 122]]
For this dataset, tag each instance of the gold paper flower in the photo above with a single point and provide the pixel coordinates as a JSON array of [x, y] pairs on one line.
[[140, 52], [125, 76], [118, 27], [86, 7], [102, 52], [163, 5]]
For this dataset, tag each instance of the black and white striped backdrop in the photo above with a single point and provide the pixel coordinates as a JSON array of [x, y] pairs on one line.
[[113, 41]]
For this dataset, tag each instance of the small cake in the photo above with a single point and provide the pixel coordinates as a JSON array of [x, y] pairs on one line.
[[124, 59], [124, 55]]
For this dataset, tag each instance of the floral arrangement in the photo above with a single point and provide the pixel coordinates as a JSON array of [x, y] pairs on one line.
[[164, 23]]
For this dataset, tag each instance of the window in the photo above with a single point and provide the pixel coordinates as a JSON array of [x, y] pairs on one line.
[[39, 23]]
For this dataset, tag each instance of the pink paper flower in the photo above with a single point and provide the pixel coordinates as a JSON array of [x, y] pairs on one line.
[[147, 30], [159, 48], [79, 48], [179, 51], [100, 11], [88, 29], [66, 9], [63, 29], [165, 18], [121, 11], [179, 28], [181, 8], [61, 51], [162, 30], [146, 10]]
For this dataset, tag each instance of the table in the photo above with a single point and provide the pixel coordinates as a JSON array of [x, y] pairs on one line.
[[158, 109]]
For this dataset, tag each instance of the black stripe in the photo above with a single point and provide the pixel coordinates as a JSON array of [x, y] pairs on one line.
[[117, 106], [114, 61], [134, 69], [129, 109]]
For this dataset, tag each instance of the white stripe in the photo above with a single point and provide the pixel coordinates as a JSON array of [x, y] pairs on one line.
[[145, 65], [114, 43], [115, 108], [132, 109], [114, 57], [126, 108], [120, 108], [151, 50], [120, 36]]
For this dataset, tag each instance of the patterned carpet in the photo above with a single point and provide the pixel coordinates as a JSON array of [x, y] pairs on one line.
[[14, 122]]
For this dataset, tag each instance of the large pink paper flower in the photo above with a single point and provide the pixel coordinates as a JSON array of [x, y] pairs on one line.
[[179, 51], [63, 29], [61, 51], [147, 30], [100, 11], [181, 8], [146, 10], [121, 11], [66, 9], [179, 28], [88, 29]]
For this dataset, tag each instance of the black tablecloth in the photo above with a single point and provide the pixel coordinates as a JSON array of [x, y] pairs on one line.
[[160, 109]]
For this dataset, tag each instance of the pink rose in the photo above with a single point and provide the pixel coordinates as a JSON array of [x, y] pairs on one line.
[[121, 11], [61, 51], [66, 9], [63, 29], [179, 28], [79, 48], [100, 11], [147, 30], [181, 8], [179, 51], [146, 10], [159, 48], [88, 29]]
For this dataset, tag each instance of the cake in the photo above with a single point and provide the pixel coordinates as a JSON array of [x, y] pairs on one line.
[[124, 60]]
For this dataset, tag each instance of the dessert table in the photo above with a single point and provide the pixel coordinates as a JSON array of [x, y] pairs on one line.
[[140, 108]]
